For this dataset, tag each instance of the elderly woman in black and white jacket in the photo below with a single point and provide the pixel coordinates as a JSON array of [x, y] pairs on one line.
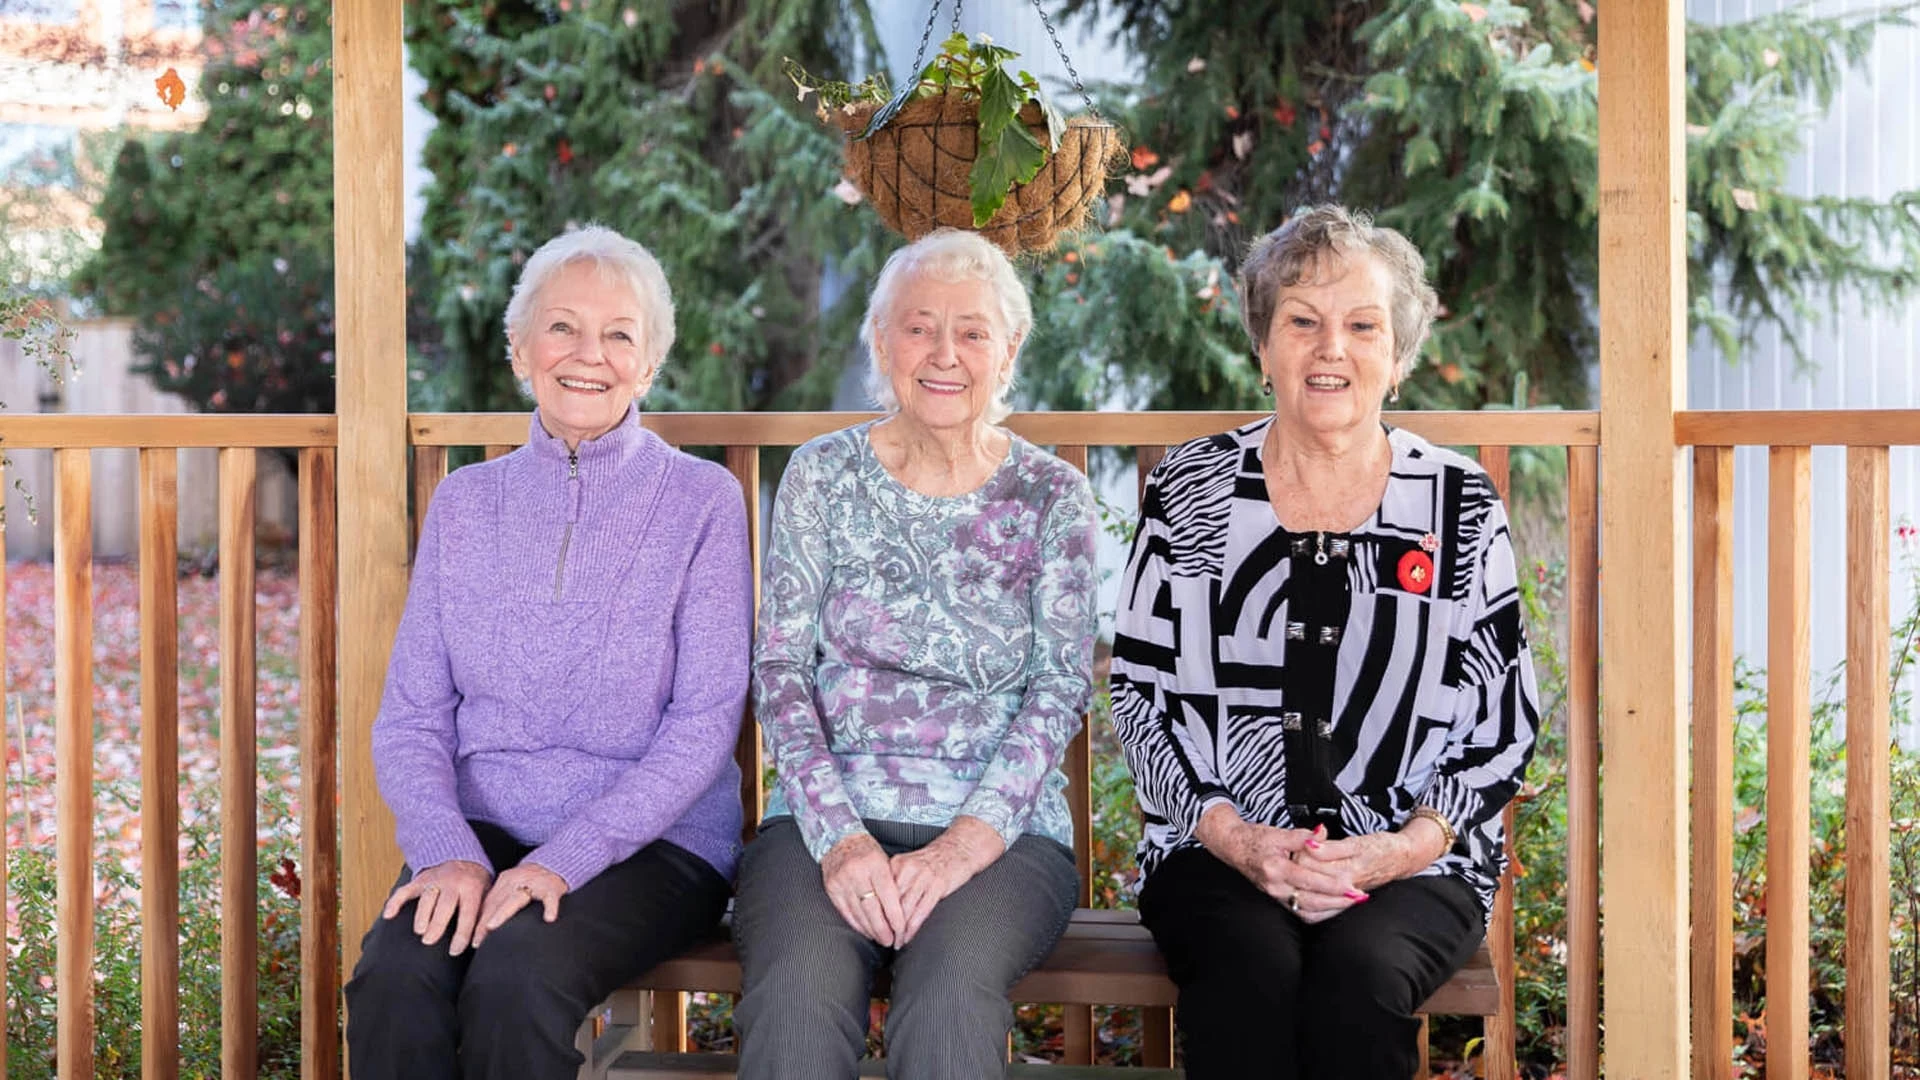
[[1321, 680]]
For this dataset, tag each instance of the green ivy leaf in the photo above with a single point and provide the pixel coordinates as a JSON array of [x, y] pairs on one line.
[[1013, 157]]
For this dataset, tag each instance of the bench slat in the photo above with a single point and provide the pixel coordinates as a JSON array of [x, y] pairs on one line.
[[1104, 958]]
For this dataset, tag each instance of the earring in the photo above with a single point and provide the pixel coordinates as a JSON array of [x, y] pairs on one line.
[[1394, 394], [1266, 385]]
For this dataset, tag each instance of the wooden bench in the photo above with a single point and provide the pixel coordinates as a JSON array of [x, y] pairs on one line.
[[1105, 958]]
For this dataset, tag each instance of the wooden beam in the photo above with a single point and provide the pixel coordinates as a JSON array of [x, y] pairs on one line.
[[54, 430], [1643, 351], [1796, 427], [1539, 427], [370, 298]]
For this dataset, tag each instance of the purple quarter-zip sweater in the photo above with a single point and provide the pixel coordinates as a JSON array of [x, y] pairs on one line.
[[572, 662]]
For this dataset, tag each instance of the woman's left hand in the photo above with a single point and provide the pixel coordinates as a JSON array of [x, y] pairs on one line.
[[515, 889], [932, 873], [1368, 860]]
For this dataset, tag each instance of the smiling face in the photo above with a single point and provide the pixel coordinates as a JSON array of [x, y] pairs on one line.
[[581, 351], [1329, 349], [945, 349]]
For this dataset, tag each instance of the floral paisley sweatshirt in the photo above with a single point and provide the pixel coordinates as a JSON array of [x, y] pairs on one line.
[[923, 657], [572, 662]]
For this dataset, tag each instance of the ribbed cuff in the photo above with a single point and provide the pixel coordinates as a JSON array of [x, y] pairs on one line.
[[576, 857], [432, 845]]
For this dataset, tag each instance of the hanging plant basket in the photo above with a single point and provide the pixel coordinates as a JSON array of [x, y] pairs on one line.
[[915, 171], [969, 145]]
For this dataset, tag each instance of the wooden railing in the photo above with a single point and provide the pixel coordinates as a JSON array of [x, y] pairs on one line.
[[1493, 434], [1867, 436]]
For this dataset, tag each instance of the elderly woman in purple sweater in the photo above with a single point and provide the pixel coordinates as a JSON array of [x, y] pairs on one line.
[[556, 739]]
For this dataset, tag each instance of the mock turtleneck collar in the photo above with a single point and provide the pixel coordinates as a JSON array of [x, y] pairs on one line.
[[611, 449]]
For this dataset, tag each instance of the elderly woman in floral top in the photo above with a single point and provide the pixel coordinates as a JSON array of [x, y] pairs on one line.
[[923, 659]]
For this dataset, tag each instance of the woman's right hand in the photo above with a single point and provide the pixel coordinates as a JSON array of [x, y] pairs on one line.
[[1265, 855], [859, 881], [448, 892]]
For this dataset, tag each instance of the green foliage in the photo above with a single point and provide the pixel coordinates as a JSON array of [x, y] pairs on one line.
[[31, 997], [653, 120], [219, 241], [1473, 128]]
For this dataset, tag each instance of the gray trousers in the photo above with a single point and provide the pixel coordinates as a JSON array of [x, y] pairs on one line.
[[807, 976]]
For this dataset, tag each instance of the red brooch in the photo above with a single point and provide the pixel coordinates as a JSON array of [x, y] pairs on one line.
[[1416, 572]]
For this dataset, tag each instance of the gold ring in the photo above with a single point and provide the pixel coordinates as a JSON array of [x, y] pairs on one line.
[[868, 895]]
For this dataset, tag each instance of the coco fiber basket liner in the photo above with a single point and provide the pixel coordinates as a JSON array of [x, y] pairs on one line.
[[914, 172]]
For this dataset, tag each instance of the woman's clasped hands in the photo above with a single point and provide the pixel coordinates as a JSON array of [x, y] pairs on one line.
[[464, 895], [888, 899], [1316, 878]]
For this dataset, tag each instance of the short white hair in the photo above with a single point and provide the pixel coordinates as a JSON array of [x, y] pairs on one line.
[[618, 259], [947, 255]]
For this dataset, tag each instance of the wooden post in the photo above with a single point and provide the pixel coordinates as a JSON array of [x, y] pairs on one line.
[[370, 298], [1643, 350]]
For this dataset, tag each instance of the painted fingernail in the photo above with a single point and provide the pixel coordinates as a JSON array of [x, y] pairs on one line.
[[1357, 896], [1312, 844]]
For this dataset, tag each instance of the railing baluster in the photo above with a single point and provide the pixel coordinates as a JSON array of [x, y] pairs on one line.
[[1713, 754], [239, 760], [319, 821], [1789, 724], [159, 765], [1869, 733], [1583, 763], [1499, 1057], [1077, 1020], [73, 756], [429, 468]]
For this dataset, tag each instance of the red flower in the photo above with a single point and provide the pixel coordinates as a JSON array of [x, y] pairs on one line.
[[566, 152], [1416, 572]]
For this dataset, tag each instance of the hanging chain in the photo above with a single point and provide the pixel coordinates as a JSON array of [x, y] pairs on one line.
[[1078, 86], [933, 16], [956, 15]]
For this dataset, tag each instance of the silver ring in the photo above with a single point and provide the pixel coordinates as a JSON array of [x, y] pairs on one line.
[[1293, 902]]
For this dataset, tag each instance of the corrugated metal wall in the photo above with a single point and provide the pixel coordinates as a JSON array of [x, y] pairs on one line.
[[1864, 357]]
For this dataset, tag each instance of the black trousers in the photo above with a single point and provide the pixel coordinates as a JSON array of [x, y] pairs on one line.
[[1263, 994], [510, 1008]]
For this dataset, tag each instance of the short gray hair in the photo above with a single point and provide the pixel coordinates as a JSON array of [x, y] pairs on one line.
[[1295, 252], [947, 255], [615, 257]]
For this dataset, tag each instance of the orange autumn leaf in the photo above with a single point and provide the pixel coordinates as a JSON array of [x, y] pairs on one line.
[[1144, 159], [1474, 11], [1180, 202], [1233, 112], [173, 90]]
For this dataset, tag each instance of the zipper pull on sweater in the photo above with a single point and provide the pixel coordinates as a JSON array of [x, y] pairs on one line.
[[573, 486]]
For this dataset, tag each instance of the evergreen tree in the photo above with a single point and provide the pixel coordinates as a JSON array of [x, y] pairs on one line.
[[657, 120], [219, 241], [1473, 128]]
